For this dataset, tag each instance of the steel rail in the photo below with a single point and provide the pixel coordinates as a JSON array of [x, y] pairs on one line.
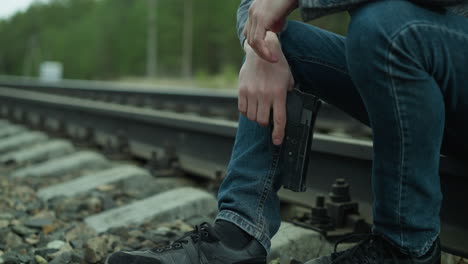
[[221, 103], [203, 146]]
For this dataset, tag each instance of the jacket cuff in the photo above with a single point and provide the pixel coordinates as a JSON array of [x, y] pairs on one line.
[[242, 40], [312, 9]]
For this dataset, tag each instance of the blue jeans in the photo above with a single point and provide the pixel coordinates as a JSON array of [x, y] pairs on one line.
[[402, 70]]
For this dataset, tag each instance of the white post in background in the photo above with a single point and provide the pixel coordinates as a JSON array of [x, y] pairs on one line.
[[50, 71], [152, 42], [187, 39]]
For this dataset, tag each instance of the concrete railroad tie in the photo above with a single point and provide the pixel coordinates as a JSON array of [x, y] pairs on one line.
[[181, 203], [67, 164], [4, 122], [21, 140], [8, 130], [40, 152], [91, 181]]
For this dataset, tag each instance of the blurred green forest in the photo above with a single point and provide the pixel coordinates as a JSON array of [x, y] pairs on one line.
[[107, 39]]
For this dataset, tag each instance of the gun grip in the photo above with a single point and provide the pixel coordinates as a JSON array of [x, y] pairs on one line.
[[301, 112]]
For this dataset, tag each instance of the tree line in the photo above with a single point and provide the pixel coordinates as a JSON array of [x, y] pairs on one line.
[[108, 39]]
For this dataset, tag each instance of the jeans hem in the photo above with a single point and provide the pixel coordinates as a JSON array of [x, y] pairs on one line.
[[424, 249], [247, 226]]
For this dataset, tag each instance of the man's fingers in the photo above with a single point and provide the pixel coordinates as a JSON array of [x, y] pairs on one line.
[[251, 108], [261, 48], [263, 112], [279, 119], [259, 45], [256, 40], [242, 102]]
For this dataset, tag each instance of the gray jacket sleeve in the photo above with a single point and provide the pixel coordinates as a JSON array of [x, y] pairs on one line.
[[242, 16], [311, 9]]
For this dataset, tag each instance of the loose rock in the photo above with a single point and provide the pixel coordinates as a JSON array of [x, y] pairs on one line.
[[6, 216], [80, 232], [13, 258], [40, 260], [32, 240], [12, 240], [4, 223], [23, 230], [39, 222], [96, 249], [56, 244], [63, 258], [44, 252]]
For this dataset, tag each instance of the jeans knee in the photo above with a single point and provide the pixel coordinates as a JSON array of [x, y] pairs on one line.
[[288, 38], [303, 40], [372, 30]]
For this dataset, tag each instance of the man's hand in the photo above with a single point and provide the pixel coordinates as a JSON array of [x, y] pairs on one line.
[[266, 15], [263, 86]]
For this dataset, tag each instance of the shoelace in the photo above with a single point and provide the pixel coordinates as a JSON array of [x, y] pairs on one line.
[[200, 232], [371, 249]]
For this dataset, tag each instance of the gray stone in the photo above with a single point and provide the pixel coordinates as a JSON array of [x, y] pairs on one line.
[[298, 243], [91, 181], [180, 203], [163, 230], [77, 257], [33, 239], [57, 235], [12, 240], [452, 259], [96, 249], [40, 260], [38, 222], [6, 216], [63, 258], [21, 140], [4, 223], [23, 230], [56, 244], [76, 243], [44, 252], [39, 152], [79, 232], [93, 204], [65, 248], [63, 165], [15, 258]]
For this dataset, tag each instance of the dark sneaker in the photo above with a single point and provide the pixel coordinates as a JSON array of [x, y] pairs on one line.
[[199, 246], [375, 249]]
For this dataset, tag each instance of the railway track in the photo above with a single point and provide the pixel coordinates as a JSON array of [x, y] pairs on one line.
[[78, 163], [213, 103]]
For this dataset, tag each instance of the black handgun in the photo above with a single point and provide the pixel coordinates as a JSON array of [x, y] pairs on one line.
[[301, 112]]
